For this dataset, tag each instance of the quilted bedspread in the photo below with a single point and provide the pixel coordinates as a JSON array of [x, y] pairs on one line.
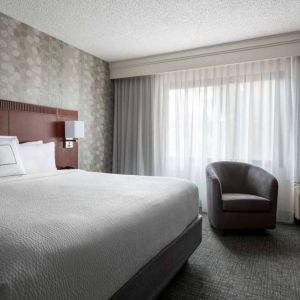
[[82, 235]]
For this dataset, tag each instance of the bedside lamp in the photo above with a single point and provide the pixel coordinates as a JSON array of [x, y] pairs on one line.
[[74, 130]]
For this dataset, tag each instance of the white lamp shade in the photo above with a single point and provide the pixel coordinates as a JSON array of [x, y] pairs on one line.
[[74, 129]]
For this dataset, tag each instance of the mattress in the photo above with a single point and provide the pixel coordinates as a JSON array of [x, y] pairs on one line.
[[82, 235]]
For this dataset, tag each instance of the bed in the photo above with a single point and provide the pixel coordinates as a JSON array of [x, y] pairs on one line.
[[72, 234]]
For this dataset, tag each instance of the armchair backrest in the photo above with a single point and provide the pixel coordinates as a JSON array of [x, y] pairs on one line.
[[243, 178], [232, 175]]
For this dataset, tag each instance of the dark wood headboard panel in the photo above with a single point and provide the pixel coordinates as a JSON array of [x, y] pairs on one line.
[[31, 122]]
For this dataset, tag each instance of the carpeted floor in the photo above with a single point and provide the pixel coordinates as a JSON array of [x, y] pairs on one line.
[[241, 266]]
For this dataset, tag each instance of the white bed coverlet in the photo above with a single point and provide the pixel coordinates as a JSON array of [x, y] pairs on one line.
[[82, 235]]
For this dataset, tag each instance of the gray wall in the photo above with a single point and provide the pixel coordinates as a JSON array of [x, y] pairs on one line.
[[37, 68]]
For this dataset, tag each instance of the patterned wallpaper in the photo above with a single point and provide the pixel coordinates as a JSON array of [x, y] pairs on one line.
[[37, 68]]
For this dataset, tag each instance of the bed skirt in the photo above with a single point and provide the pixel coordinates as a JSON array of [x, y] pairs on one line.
[[149, 282]]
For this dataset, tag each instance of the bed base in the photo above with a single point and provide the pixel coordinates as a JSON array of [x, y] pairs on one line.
[[149, 282]]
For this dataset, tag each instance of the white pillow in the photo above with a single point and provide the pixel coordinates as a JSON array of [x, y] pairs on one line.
[[38, 158], [10, 160], [32, 143]]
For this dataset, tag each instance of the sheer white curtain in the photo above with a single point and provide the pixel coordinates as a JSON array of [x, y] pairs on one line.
[[243, 112]]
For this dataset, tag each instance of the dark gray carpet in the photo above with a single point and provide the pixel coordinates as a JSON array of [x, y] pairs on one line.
[[245, 265]]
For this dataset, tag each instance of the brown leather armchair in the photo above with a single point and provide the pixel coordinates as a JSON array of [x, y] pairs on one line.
[[240, 196]]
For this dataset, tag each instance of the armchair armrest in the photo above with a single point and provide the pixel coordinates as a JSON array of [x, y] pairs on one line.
[[262, 183], [214, 189]]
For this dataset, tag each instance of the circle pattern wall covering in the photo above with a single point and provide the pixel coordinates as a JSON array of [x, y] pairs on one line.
[[36, 68]]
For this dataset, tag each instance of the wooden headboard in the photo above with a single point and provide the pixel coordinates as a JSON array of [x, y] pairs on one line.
[[31, 122]]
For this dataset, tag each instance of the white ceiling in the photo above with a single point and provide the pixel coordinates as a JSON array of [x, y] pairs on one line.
[[122, 29]]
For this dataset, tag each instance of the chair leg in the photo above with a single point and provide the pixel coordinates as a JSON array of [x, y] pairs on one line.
[[223, 232], [263, 232]]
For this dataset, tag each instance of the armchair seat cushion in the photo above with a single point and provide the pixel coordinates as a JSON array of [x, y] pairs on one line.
[[244, 203]]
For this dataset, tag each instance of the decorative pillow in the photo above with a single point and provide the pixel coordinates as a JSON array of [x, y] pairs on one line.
[[38, 158], [10, 160]]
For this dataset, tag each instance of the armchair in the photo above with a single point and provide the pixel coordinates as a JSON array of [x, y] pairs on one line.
[[240, 196]]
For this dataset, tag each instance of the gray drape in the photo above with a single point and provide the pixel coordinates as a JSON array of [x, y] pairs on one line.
[[133, 146]]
